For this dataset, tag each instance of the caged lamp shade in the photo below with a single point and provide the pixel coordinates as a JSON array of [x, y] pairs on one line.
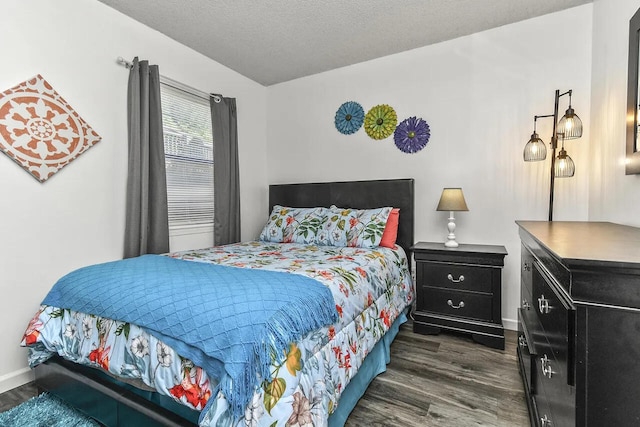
[[570, 124], [452, 200], [535, 150], [564, 166]]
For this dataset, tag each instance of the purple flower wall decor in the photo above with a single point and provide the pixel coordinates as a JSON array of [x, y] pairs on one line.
[[349, 117], [412, 135]]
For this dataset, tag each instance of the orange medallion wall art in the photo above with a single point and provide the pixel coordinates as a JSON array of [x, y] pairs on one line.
[[39, 130]]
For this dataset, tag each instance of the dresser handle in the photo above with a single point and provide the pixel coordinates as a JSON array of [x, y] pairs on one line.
[[522, 341], [545, 421], [455, 306], [546, 367], [543, 305], [526, 305], [460, 279]]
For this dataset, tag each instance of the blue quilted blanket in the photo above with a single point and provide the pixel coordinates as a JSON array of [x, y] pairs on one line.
[[227, 320]]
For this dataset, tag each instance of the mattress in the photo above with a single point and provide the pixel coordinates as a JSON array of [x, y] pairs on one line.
[[370, 287]]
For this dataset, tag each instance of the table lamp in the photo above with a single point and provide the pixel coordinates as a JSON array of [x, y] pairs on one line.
[[452, 200]]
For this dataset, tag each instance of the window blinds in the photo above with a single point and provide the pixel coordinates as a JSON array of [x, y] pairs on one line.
[[188, 146]]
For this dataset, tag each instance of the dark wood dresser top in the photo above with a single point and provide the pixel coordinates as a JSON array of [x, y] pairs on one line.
[[578, 243]]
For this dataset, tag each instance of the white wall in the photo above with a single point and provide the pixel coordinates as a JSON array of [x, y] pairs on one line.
[[77, 217], [478, 94], [614, 196]]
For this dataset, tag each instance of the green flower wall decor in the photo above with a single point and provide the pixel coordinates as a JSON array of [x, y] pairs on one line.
[[380, 121]]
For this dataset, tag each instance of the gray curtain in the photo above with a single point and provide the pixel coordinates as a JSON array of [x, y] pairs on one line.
[[147, 223], [226, 180]]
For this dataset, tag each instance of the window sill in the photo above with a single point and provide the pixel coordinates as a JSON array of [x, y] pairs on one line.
[[185, 230]]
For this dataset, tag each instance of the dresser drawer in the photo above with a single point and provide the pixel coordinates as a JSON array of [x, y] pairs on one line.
[[526, 267], [526, 354], [457, 276], [557, 318], [543, 415], [526, 302], [457, 303], [552, 383]]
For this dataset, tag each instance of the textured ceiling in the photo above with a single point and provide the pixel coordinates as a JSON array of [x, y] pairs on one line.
[[273, 41]]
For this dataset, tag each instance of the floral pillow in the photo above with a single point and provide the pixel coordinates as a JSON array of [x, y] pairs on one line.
[[361, 228], [297, 225]]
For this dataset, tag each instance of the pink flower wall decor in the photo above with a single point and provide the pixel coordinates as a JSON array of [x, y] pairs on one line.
[[39, 130]]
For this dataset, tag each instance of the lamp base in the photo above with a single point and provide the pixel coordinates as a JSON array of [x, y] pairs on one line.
[[451, 226], [451, 244]]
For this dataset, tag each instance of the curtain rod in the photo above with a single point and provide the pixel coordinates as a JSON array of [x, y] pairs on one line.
[[216, 97], [124, 62]]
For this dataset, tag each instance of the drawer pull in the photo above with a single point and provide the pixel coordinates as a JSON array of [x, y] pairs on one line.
[[526, 305], [522, 341], [546, 367], [450, 303], [545, 421], [543, 305], [458, 280]]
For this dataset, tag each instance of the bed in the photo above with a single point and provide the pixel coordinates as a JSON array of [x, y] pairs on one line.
[[318, 378]]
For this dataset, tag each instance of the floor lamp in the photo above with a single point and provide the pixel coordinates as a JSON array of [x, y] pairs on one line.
[[569, 127]]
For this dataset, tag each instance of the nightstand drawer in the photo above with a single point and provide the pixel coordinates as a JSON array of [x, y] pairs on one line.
[[456, 303], [457, 276]]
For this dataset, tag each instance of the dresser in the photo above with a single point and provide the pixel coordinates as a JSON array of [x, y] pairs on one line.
[[579, 323], [460, 289]]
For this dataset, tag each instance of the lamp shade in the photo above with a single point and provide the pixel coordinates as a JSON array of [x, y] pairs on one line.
[[535, 150], [564, 166], [570, 124], [452, 199]]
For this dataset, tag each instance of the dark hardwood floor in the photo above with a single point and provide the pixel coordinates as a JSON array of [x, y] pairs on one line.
[[432, 381], [16, 396], [445, 380]]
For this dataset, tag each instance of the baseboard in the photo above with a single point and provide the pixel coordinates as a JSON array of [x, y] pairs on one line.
[[15, 379], [510, 324]]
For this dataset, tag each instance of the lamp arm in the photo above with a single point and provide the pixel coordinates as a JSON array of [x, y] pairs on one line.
[[541, 117]]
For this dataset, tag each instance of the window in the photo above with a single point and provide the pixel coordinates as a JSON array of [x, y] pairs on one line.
[[188, 147]]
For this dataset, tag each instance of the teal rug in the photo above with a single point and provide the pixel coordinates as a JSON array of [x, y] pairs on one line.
[[45, 411]]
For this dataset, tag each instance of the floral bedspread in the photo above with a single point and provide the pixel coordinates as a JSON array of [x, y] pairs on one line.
[[370, 288]]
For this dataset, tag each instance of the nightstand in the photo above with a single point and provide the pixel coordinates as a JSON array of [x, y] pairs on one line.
[[459, 289]]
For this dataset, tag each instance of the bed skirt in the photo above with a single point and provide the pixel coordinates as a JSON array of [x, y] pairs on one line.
[[373, 365]]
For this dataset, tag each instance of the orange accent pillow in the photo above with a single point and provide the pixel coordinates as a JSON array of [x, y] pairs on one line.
[[390, 233]]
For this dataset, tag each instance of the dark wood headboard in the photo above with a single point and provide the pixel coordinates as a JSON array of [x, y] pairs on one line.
[[398, 193]]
